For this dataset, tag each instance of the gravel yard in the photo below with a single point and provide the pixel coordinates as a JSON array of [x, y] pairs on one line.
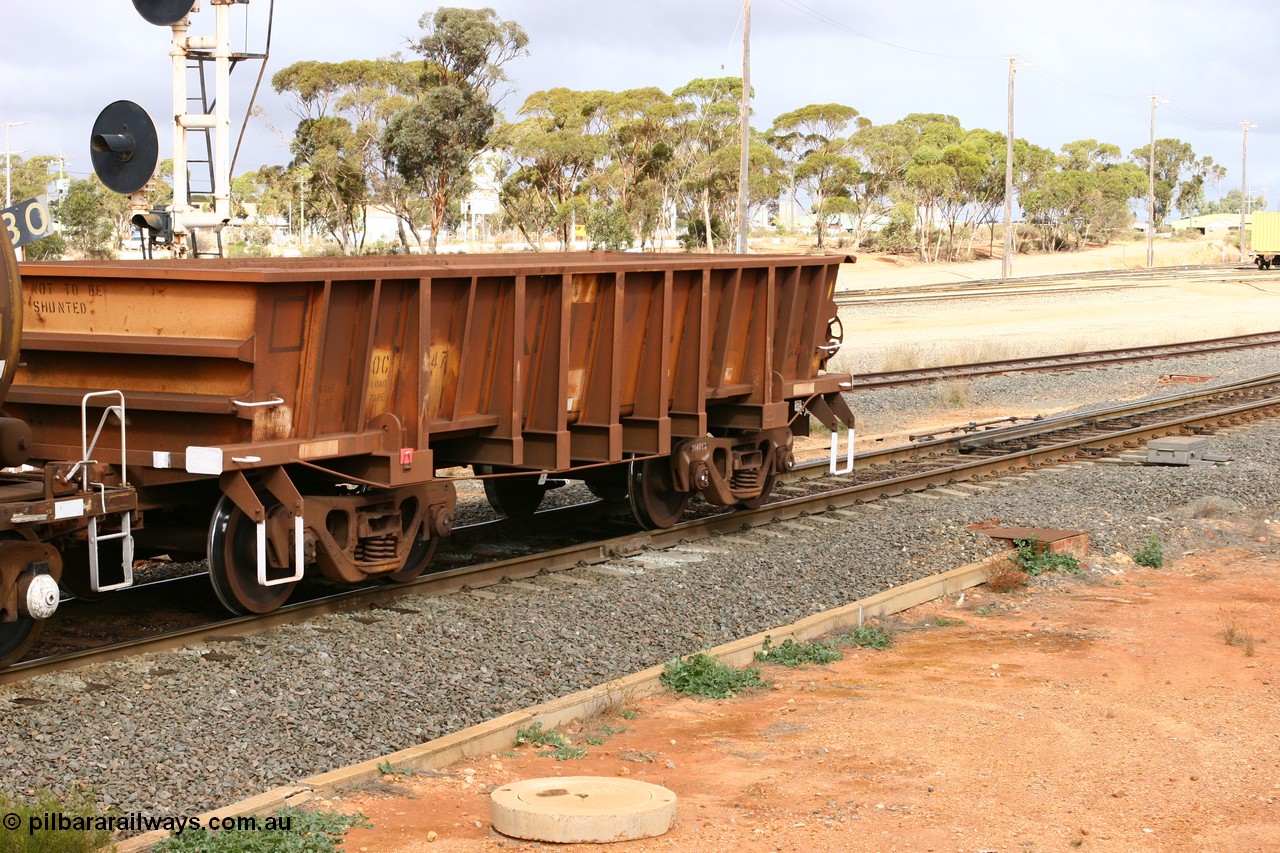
[[179, 732]]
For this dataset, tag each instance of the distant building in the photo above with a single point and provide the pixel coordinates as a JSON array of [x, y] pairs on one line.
[[1212, 224]]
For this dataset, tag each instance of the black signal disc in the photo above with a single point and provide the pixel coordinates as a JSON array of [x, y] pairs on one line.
[[124, 147], [163, 13]]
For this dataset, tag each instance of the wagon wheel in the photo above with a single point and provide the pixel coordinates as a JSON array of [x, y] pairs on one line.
[[16, 638], [612, 486], [233, 563], [608, 492], [514, 497], [654, 499]]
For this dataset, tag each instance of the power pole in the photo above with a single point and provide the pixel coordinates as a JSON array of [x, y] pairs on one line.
[[744, 159], [302, 215], [8, 160], [1244, 162], [1151, 188], [1006, 261]]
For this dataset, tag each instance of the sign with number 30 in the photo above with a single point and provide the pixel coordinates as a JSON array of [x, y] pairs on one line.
[[27, 221]]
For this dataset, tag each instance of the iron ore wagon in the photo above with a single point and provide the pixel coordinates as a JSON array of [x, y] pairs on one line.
[[280, 415]]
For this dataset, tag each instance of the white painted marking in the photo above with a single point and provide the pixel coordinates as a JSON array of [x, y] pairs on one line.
[[69, 509], [204, 460]]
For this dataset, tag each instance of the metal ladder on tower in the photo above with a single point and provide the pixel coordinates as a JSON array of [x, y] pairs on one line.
[[197, 61]]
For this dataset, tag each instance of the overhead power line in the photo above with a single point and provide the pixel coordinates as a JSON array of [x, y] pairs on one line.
[[839, 25]]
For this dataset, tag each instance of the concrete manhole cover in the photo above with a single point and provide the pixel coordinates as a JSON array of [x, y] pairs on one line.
[[571, 809]]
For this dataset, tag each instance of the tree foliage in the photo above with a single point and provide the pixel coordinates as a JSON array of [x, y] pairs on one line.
[[344, 108], [91, 217], [1179, 175], [435, 140], [626, 168]]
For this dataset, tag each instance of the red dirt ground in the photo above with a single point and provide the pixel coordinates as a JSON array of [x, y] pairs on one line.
[[1106, 712]]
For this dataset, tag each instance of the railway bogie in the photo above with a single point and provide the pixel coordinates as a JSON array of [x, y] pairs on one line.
[[296, 413]]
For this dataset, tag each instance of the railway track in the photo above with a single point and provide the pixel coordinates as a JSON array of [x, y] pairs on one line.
[[1095, 281], [1062, 362], [606, 535]]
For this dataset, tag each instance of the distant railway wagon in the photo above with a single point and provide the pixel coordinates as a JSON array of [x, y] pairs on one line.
[[279, 416], [1264, 238]]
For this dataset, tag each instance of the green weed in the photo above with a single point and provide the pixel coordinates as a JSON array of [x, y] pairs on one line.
[[387, 769], [791, 653], [77, 804], [1034, 560], [535, 736], [1152, 554], [701, 675], [292, 830], [564, 753], [866, 637]]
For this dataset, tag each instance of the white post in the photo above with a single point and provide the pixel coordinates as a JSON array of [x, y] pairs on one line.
[[1151, 188], [8, 160], [1010, 245], [178, 54], [1244, 162], [222, 109], [744, 155]]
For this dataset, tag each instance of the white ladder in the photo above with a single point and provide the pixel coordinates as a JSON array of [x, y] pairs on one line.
[[126, 518]]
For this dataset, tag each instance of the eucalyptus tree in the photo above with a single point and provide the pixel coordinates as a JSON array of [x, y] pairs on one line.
[[90, 215], [1085, 194], [883, 153], [553, 149], [30, 176], [813, 152], [434, 142], [343, 110], [707, 127], [638, 129], [931, 177], [1179, 175], [1230, 203]]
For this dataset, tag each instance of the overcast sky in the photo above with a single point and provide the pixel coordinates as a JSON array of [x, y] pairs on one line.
[[1092, 67]]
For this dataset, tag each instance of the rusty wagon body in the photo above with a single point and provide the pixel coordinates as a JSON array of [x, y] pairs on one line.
[[299, 411]]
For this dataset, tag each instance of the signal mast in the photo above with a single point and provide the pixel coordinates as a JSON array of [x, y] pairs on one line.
[[124, 149]]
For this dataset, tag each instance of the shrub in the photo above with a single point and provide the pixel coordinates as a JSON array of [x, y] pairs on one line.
[[1034, 559], [1152, 554], [701, 675], [866, 637], [1005, 576], [77, 804]]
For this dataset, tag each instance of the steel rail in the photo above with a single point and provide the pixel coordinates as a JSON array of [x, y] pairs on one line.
[[1062, 361], [600, 551], [1057, 283], [933, 447]]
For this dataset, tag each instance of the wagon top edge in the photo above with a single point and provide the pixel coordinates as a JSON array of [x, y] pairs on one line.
[[451, 266]]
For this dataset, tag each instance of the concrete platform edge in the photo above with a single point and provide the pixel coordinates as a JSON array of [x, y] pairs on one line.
[[500, 733]]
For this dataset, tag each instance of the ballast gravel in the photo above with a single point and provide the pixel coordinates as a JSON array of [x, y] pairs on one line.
[[177, 733]]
